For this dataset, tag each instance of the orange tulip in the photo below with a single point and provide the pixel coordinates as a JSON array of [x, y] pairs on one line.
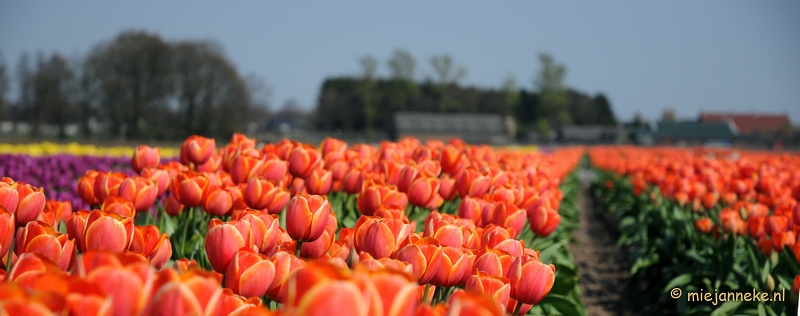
[[275, 169], [105, 184], [703, 225], [29, 266], [119, 205], [39, 237], [160, 176], [7, 226], [756, 226], [544, 220], [472, 183], [319, 182], [504, 214], [128, 286], [470, 303], [9, 196], [75, 225], [56, 212], [454, 266], [303, 160], [86, 187], [447, 187], [198, 149], [497, 287], [379, 236], [352, 181], [211, 165], [285, 265], [317, 248], [173, 207], [375, 194], [424, 192], [218, 201], [244, 167], [107, 231], [188, 188], [471, 208], [264, 194], [397, 292], [224, 239], [331, 145], [307, 216], [452, 160], [783, 239], [141, 191], [424, 258], [31, 203], [145, 157], [494, 262], [249, 274], [530, 279], [152, 244], [192, 293]]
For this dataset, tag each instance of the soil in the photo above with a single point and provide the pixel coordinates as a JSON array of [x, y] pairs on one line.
[[604, 279]]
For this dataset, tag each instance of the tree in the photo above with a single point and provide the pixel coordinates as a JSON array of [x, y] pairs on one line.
[[402, 65], [3, 88], [552, 97], [511, 90], [369, 65], [668, 115], [446, 74], [54, 87], [134, 74], [605, 115]]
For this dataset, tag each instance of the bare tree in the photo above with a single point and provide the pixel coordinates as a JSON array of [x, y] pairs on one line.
[[402, 65], [446, 74]]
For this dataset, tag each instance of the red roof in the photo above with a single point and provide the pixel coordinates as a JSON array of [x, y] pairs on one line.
[[749, 123]]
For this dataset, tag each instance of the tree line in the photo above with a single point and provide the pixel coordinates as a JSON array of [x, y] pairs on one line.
[[367, 103], [138, 86]]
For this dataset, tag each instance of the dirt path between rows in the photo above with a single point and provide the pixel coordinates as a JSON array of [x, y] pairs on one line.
[[602, 264]]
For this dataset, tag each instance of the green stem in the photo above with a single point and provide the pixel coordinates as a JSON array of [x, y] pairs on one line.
[[186, 225], [518, 309], [425, 295], [10, 251], [299, 246]]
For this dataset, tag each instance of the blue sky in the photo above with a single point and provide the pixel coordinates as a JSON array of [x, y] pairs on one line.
[[644, 55]]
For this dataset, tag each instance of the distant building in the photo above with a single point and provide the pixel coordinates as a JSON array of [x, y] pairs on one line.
[[472, 128], [694, 133], [749, 123], [590, 134]]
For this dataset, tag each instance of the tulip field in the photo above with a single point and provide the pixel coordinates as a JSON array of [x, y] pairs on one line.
[[401, 228], [706, 221]]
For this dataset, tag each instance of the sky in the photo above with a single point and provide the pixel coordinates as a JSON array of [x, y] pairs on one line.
[[645, 56]]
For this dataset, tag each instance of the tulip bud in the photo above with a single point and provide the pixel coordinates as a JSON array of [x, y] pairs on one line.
[[218, 201], [319, 182], [264, 194], [303, 160], [39, 237], [107, 231], [119, 206], [531, 279], [198, 149], [7, 226], [86, 188], [249, 274], [307, 216], [188, 188], [9, 196], [703, 225], [224, 239], [379, 236], [145, 157], [161, 178], [152, 244], [31, 203], [139, 190], [107, 183]]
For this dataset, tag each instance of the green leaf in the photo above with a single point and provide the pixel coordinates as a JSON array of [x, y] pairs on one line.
[[546, 255], [677, 282], [562, 304], [62, 227], [169, 225], [726, 308]]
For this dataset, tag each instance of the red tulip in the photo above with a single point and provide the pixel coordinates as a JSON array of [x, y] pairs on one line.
[[75, 225], [453, 266], [275, 169], [173, 207], [494, 262], [544, 220], [243, 168], [424, 258], [374, 195], [318, 248], [472, 183], [307, 216], [145, 157]]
